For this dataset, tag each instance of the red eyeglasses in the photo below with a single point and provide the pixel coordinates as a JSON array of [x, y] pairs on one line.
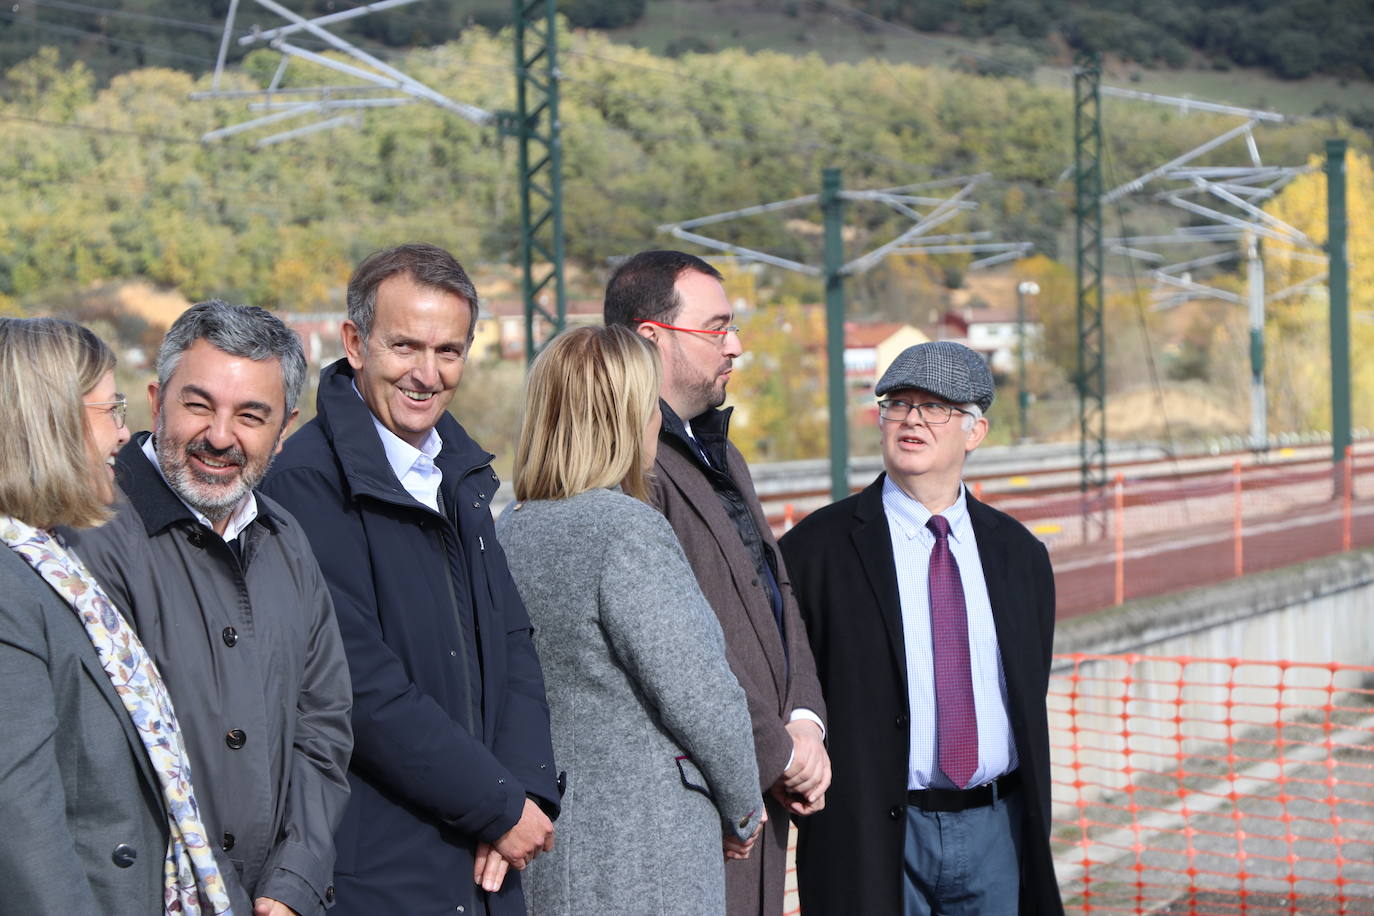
[[728, 329]]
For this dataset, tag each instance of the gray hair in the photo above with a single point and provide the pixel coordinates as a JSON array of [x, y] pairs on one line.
[[971, 414], [427, 265], [240, 330]]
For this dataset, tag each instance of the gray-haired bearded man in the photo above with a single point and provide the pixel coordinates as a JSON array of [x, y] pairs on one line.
[[226, 595]]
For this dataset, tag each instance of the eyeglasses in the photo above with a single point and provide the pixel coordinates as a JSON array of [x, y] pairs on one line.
[[719, 332], [931, 413], [119, 409]]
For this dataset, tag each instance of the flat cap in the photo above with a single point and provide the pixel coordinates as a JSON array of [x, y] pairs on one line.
[[944, 368]]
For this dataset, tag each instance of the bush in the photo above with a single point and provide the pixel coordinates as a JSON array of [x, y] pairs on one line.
[[688, 44], [602, 14], [1294, 55], [1013, 61]]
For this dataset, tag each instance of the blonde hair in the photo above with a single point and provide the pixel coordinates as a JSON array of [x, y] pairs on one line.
[[46, 368], [589, 396]]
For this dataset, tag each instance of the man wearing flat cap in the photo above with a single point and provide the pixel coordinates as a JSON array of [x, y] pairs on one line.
[[931, 618]]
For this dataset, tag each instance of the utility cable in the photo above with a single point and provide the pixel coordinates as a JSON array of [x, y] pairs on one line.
[[70, 7], [91, 128], [1171, 444], [87, 34]]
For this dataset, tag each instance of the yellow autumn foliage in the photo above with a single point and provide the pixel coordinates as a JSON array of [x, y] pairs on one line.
[[1297, 336]]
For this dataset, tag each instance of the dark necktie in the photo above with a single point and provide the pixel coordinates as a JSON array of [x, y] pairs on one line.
[[956, 716]]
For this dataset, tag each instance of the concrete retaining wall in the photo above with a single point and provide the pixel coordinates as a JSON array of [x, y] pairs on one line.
[[1321, 611]]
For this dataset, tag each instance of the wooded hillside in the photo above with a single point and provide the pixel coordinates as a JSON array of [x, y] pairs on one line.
[[113, 182]]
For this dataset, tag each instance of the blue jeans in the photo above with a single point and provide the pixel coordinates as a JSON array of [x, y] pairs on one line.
[[964, 863]]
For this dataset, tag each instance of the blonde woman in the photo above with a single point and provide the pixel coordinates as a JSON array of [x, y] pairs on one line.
[[648, 721], [96, 803]]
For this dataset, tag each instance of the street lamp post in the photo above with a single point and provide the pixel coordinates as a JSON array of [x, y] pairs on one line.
[[1023, 289]]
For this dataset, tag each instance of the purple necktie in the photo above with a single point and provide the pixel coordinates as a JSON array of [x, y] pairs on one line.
[[957, 720]]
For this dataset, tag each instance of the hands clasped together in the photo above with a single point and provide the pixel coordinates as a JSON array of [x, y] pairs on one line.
[[801, 787], [517, 847]]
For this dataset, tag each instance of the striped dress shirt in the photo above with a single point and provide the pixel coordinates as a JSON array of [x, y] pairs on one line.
[[912, 543]]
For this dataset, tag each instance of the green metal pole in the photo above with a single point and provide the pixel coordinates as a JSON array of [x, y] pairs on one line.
[[1022, 395], [555, 144], [1088, 246], [1338, 281], [536, 124], [832, 206]]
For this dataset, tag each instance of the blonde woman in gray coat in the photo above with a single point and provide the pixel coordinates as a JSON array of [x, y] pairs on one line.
[[648, 720]]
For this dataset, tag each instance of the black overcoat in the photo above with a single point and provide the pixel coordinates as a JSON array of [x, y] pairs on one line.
[[432, 773], [849, 856]]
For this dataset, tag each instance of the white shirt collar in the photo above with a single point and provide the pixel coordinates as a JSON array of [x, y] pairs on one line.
[[243, 515], [910, 515], [400, 454]]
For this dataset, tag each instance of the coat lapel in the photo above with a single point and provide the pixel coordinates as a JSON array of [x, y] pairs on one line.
[[91, 663], [873, 543], [696, 492], [992, 553]]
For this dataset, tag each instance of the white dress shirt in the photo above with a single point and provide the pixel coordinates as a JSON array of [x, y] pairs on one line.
[[912, 543], [413, 467], [243, 513]]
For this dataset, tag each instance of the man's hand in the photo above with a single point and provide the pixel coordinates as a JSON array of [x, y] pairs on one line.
[[736, 848], [489, 869], [266, 906], [530, 836], [801, 788]]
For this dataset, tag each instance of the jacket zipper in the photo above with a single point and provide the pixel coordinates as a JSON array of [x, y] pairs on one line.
[[450, 529]]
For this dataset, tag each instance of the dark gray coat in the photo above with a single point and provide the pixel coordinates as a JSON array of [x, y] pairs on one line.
[[647, 718], [250, 647], [75, 782]]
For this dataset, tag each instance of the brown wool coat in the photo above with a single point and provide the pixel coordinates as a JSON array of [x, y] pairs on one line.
[[773, 686]]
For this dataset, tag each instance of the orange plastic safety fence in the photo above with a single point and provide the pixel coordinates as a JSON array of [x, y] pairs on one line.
[[1212, 787]]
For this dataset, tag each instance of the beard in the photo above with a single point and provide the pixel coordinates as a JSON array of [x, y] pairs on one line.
[[211, 496], [701, 390]]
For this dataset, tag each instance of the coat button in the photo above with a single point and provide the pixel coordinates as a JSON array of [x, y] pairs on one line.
[[124, 855], [476, 505], [227, 843], [329, 894], [195, 537], [236, 739], [895, 813], [901, 721], [231, 637]]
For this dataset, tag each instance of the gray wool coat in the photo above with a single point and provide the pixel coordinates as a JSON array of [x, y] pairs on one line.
[[648, 721]]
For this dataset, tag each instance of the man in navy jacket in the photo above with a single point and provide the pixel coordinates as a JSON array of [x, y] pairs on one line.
[[452, 777]]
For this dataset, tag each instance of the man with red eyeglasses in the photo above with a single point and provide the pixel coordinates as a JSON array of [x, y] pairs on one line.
[[702, 485]]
